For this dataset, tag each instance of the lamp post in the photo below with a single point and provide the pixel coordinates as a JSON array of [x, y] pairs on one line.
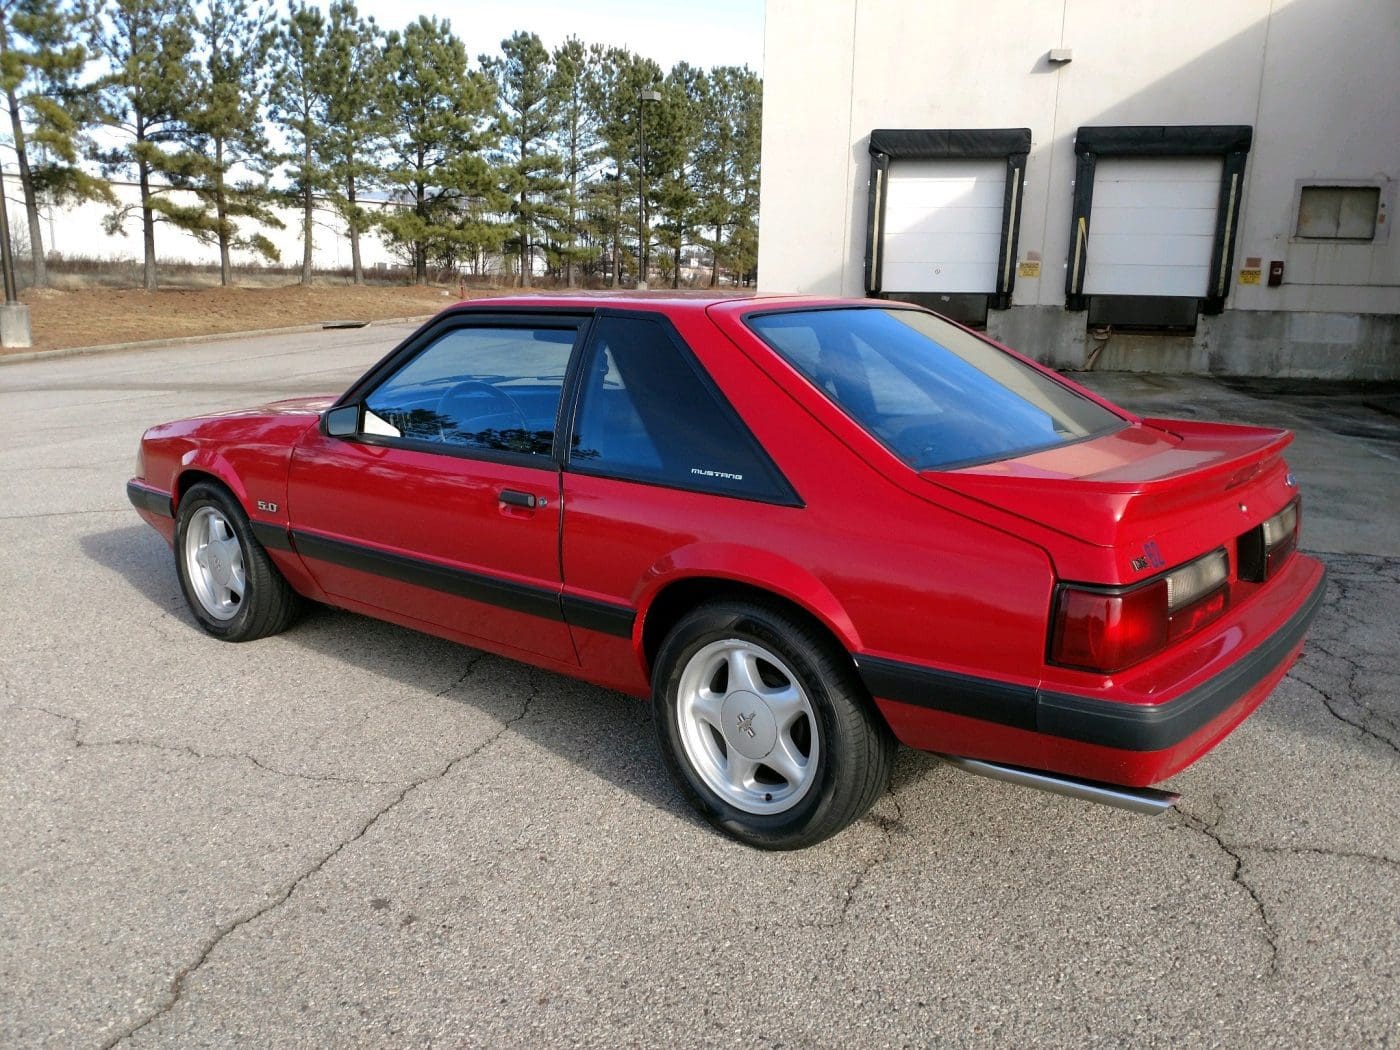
[[14, 315], [643, 235]]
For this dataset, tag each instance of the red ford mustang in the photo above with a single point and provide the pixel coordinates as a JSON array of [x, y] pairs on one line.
[[806, 528]]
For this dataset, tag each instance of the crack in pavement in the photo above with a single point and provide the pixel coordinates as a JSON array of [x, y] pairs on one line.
[[471, 667], [181, 978], [78, 739], [1211, 831], [889, 827]]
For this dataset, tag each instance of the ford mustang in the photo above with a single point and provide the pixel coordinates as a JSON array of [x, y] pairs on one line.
[[806, 529]]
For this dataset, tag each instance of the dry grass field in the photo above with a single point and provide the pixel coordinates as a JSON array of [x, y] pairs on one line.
[[96, 316]]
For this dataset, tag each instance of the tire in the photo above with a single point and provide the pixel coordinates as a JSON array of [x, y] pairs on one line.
[[215, 554], [764, 726]]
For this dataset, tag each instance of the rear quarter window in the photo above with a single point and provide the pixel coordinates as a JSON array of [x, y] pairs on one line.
[[934, 394]]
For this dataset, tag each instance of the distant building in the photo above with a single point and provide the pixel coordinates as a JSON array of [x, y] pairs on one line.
[[1200, 186]]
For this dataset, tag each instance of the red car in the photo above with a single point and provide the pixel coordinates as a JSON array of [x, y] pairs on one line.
[[806, 528]]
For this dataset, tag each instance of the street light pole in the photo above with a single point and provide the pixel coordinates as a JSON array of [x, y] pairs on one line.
[[643, 234], [14, 315]]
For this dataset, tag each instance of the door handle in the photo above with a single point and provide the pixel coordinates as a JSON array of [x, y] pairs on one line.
[[515, 498]]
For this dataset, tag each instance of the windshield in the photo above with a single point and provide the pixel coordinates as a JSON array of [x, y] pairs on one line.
[[935, 395]]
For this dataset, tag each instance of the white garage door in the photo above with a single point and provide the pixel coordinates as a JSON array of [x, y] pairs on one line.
[[943, 225], [1152, 226]]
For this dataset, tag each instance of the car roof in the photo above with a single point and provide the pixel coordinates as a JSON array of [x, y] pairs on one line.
[[657, 303]]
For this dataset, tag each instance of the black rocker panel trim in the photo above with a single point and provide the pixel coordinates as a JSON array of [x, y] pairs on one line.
[[143, 497], [1128, 727], [594, 615], [273, 537], [544, 602]]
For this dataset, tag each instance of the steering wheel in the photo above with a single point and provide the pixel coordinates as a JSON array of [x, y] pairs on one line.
[[460, 410]]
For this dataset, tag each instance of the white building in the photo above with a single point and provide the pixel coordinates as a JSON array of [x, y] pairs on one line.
[[1199, 185]]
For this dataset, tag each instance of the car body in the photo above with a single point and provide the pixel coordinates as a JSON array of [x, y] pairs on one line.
[[981, 574]]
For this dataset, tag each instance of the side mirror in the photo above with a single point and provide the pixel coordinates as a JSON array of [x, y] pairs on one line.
[[341, 422]]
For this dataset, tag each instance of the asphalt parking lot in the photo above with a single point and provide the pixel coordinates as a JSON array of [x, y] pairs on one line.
[[351, 834]]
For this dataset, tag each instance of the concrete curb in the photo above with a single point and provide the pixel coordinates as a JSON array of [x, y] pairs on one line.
[[191, 340]]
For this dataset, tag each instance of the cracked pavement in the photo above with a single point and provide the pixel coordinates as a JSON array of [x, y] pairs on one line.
[[353, 834]]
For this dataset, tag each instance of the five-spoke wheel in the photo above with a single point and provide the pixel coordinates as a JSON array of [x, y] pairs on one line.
[[233, 588], [765, 727]]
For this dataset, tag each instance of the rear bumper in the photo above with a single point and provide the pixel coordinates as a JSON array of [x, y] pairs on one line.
[[1096, 737]]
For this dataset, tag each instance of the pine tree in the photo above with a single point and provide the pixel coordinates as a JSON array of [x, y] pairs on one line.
[[354, 82], [525, 92], [224, 127], [144, 99], [41, 60], [297, 103], [441, 114], [727, 166], [671, 153], [615, 95], [577, 145]]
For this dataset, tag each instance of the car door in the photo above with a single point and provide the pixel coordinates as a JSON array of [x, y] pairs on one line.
[[442, 508]]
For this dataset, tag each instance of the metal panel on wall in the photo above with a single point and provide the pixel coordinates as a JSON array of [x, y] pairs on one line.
[[1154, 223], [943, 225]]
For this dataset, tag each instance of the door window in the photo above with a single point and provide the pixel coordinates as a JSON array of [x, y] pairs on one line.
[[486, 388], [648, 413]]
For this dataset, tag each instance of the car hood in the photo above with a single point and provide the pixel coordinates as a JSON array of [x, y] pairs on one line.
[[1129, 485]]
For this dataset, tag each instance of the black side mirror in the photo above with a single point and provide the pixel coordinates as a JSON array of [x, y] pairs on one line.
[[341, 422]]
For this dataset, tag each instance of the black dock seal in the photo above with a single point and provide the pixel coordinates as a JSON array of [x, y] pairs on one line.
[[892, 144], [1128, 727]]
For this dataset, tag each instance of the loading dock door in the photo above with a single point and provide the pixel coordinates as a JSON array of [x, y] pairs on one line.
[[943, 225], [1153, 227]]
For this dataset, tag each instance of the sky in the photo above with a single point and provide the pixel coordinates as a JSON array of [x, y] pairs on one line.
[[702, 32]]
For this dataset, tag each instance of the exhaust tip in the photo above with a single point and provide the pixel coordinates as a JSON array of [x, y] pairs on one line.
[[1148, 801]]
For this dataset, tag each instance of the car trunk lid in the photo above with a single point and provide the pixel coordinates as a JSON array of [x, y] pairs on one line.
[[1204, 483]]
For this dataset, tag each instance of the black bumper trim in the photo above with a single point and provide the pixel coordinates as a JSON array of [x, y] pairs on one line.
[[145, 498], [1128, 727]]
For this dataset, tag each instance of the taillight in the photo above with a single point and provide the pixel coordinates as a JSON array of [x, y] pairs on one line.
[[1264, 548], [1106, 629]]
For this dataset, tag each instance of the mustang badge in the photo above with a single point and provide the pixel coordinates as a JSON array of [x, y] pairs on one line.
[[745, 725]]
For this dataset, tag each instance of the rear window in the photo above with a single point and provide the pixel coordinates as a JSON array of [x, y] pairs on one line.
[[935, 395]]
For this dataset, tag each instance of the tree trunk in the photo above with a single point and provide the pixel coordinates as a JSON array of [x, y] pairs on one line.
[[525, 259], [148, 221], [714, 258], [221, 214], [31, 205], [308, 204], [420, 248], [357, 272]]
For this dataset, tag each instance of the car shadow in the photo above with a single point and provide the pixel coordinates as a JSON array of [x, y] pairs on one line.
[[603, 733]]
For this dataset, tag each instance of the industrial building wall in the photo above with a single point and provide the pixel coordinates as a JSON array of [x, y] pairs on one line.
[[1315, 80]]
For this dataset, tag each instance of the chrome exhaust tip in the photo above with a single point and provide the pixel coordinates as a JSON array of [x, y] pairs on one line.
[[1137, 800]]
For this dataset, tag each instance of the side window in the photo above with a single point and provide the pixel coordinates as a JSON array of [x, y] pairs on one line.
[[647, 413], [493, 388]]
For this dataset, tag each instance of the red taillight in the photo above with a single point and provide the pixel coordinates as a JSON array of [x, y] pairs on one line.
[[1106, 630]]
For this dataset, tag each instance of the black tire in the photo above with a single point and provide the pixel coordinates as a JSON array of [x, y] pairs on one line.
[[856, 749], [268, 603]]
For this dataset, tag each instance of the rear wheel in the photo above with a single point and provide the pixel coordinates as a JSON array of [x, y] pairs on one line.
[[232, 587], [764, 726]]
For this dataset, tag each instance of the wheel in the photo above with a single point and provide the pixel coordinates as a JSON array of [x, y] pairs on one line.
[[764, 726], [232, 587], [478, 412]]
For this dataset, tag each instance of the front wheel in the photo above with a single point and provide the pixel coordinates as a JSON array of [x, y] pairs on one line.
[[765, 728], [232, 587]]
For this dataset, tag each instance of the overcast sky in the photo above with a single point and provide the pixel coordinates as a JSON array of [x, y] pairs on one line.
[[702, 32]]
